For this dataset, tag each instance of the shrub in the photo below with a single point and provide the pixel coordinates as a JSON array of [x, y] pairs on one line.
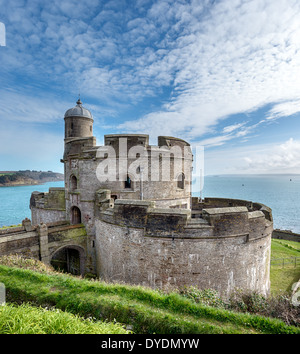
[[246, 301], [207, 297]]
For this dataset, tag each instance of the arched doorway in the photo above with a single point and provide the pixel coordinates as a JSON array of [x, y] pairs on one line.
[[75, 215], [69, 259]]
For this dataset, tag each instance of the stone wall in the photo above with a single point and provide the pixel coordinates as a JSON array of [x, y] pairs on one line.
[[48, 207], [22, 240], [286, 235], [39, 215], [140, 244], [84, 164], [44, 240]]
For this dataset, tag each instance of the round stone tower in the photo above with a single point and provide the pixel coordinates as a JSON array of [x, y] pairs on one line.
[[78, 129], [78, 122]]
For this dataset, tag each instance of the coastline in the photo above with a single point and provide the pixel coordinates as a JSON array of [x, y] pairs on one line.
[[28, 178], [29, 183]]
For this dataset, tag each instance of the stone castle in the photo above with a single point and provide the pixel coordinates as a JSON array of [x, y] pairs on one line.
[[142, 225]]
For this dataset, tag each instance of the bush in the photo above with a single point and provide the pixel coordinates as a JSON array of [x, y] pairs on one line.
[[279, 306], [251, 302], [207, 297]]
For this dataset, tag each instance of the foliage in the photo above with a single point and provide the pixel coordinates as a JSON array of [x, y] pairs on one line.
[[276, 306], [20, 261], [207, 297], [11, 226], [26, 174], [27, 319], [144, 309]]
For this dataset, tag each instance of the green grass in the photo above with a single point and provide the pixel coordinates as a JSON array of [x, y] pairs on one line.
[[74, 301], [27, 319], [144, 309], [7, 227], [284, 275]]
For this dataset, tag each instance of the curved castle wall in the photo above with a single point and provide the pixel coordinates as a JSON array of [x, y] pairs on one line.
[[227, 248]]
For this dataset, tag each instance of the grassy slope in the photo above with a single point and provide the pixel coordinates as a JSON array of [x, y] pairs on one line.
[[145, 310], [26, 319], [283, 277]]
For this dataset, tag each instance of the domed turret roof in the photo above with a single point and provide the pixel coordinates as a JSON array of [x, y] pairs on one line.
[[79, 111]]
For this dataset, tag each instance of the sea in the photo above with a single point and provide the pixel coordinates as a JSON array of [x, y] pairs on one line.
[[279, 192], [14, 202]]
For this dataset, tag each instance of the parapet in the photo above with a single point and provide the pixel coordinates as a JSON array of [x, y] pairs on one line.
[[76, 146], [114, 140], [208, 203], [144, 214], [227, 221], [237, 221], [54, 199], [171, 141]]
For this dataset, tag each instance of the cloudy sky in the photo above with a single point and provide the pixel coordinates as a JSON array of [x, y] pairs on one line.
[[223, 74]]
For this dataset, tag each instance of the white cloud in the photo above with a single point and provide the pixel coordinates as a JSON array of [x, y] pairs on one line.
[[215, 58], [282, 158], [257, 159], [237, 58], [284, 109], [22, 107], [231, 128], [214, 141]]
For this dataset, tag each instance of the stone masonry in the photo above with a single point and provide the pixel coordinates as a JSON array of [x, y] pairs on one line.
[[142, 224]]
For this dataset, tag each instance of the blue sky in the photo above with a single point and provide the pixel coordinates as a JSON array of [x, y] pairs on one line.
[[224, 74]]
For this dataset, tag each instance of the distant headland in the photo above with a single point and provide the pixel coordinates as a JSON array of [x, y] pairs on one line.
[[27, 177]]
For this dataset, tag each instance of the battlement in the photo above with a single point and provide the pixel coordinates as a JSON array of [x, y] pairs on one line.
[[170, 141], [208, 203], [54, 199], [48, 207], [165, 246], [131, 140], [168, 222]]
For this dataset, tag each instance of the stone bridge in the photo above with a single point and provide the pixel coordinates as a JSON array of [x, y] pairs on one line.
[[58, 243]]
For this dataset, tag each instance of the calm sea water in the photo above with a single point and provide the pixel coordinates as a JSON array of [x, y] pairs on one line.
[[278, 192], [14, 202]]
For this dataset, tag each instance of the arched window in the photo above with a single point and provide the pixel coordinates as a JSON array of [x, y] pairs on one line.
[[75, 215], [180, 181], [73, 183], [128, 182]]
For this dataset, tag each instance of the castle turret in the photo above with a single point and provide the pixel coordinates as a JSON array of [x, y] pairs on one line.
[[78, 129], [78, 122]]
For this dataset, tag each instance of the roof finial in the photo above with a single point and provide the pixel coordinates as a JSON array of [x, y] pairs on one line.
[[79, 101]]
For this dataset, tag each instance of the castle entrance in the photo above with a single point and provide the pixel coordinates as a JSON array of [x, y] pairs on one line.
[[69, 260], [75, 215]]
